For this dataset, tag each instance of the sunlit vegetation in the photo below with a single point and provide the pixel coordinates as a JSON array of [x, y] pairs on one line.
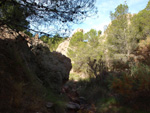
[[117, 63], [52, 42]]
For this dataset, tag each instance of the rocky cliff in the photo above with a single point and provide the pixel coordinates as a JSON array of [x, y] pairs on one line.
[[63, 47], [27, 69]]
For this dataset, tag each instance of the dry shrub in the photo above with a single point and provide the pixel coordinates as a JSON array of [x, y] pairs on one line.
[[143, 52], [97, 68], [134, 89], [120, 65]]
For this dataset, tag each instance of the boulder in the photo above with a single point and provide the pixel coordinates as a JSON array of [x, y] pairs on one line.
[[27, 70], [53, 68], [49, 105], [72, 105]]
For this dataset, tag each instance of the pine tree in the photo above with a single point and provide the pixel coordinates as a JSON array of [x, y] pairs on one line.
[[59, 14], [118, 33]]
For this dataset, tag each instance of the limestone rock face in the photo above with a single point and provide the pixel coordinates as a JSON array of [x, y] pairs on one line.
[[63, 47], [79, 30]]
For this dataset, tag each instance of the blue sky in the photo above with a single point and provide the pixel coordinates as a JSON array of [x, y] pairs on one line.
[[104, 8]]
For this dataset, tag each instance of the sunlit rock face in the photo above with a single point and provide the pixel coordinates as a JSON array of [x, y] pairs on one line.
[[63, 47], [79, 30]]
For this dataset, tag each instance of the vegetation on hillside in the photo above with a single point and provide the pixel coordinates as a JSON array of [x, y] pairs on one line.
[[52, 42], [84, 48], [117, 63]]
